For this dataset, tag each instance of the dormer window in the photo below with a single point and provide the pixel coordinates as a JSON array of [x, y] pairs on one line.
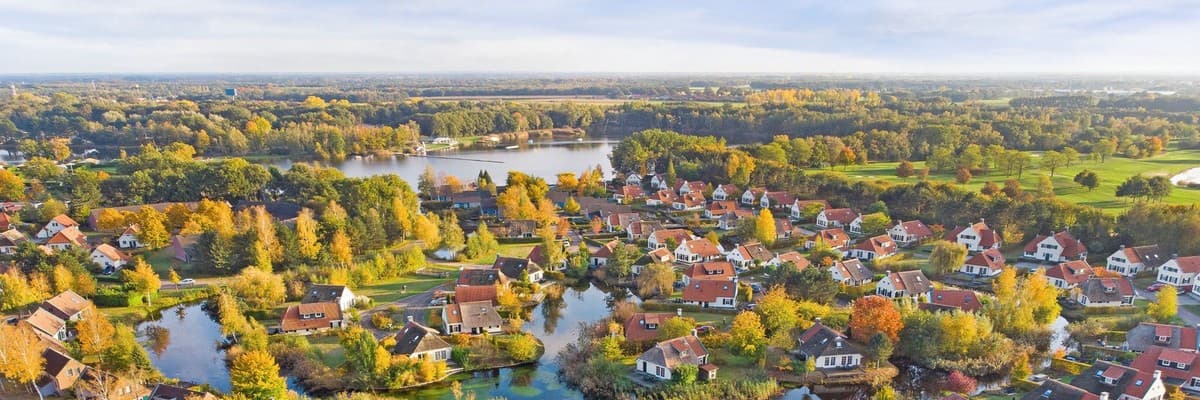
[[1163, 339], [1181, 365], [1164, 363]]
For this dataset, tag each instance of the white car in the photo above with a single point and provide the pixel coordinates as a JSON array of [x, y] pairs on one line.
[[188, 281]]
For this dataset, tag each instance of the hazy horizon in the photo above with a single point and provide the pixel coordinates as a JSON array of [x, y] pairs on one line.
[[877, 37]]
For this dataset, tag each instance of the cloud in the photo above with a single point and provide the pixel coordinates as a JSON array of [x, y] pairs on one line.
[[935, 36]]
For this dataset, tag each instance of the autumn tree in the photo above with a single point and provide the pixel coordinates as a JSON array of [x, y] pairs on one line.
[[764, 227], [21, 355], [571, 206], [958, 382], [142, 278], [879, 349], [946, 257], [874, 314], [1053, 160], [846, 157], [308, 244], [747, 334], [482, 243], [152, 224], [339, 248], [255, 375], [675, 327], [261, 290], [905, 169], [1164, 308], [1045, 187], [452, 233], [778, 311], [522, 347], [95, 333], [12, 187], [962, 175], [425, 229], [656, 279], [875, 224]]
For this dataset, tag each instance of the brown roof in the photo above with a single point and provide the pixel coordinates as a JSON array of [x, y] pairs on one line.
[[702, 247], [680, 235], [843, 215], [632, 191], [662, 254], [1071, 247], [729, 188], [66, 304], [111, 252], [711, 270], [1106, 290], [12, 238], [987, 236], [607, 249], [292, 321], [707, 290], [168, 392], [853, 269], [637, 326], [1073, 272], [1152, 256], [965, 300], [675, 352], [913, 282], [475, 314], [780, 198], [1149, 361], [46, 322], [69, 235], [880, 245], [991, 258], [691, 199], [916, 228], [665, 196], [719, 207], [755, 251], [62, 367], [836, 237], [465, 294], [481, 277], [64, 220], [417, 338], [695, 186], [794, 258]]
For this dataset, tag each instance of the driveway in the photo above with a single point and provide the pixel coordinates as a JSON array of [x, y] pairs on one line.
[[416, 306]]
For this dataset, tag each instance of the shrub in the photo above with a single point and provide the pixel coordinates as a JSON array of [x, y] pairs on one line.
[[685, 374], [381, 321]]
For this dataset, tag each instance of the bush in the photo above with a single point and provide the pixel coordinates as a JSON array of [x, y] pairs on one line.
[[1068, 366], [685, 374], [555, 275], [381, 321]]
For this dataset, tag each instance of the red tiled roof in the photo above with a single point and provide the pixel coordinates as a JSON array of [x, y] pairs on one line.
[[916, 228], [990, 258], [1148, 361], [987, 236], [1190, 265], [632, 191], [880, 245], [795, 258], [1073, 272], [680, 235], [702, 247], [1071, 247], [665, 196], [635, 326], [69, 235], [965, 300], [291, 318], [711, 270], [465, 294], [835, 237], [843, 215], [691, 199], [64, 220], [707, 290], [607, 249]]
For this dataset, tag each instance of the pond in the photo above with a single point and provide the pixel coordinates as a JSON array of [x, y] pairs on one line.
[[541, 158], [557, 324], [183, 343]]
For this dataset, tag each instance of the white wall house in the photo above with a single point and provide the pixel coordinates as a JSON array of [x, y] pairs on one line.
[[724, 192], [1056, 248], [1129, 261], [1179, 271], [835, 217]]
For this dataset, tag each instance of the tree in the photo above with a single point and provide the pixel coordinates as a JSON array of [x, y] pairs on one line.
[[571, 206], [153, 225], [675, 327], [885, 393], [12, 187], [19, 290], [958, 382], [339, 248], [1045, 187], [1053, 160], [620, 263], [307, 241], [21, 355], [596, 224], [875, 224], [846, 157], [1104, 148], [1136, 187], [1158, 187], [255, 375], [879, 348], [747, 334], [1088, 179], [110, 219], [95, 333], [261, 290], [874, 314], [425, 229], [427, 183], [656, 278], [1164, 308], [778, 311], [1020, 369], [685, 374], [482, 243], [962, 175], [142, 278], [173, 277], [523, 347], [764, 227], [905, 169], [945, 257]]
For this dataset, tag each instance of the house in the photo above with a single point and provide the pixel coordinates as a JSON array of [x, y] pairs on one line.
[[1120, 382], [659, 181], [287, 212], [660, 238], [871, 248], [58, 223], [518, 267], [895, 285], [477, 276], [1105, 292], [784, 229], [10, 240], [518, 228], [601, 255], [697, 250], [798, 207], [5, 221], [976, 237], [989, 262], [108, 257], [1055, 390], [68, 306], [910, 233], [59, 373], [595, 207], [715, 293], [129, 238], [643, 327], [718, 208], [475, 317], [164, 391], [183, 247], [952, 299], [835, 217], [1148, 334], [339, 294], [749, 255], [725, 192], [1058, 247], [662, 359], [1070, 274], [466, 294], [730, 220], [67, 238], [465, 199], [851, 272], [793, 257], [662, 198], [630, 192], [1177, 367], [776, 200], [633, 179], [691, 201], [656, 256], [835, 238], [421, 342], [617, 221], [718, 270], [638, 230], [829, 349], [537, 255], [684, 187], [47, 325], [1179, 271], [751, 195], [856, 225], [1129, 261], [307, 318]]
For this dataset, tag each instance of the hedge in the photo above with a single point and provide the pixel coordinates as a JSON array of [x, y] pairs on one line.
[[1024, 385], [1068, 366]]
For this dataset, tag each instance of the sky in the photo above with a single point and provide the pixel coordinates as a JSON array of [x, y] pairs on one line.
[[644, 36]]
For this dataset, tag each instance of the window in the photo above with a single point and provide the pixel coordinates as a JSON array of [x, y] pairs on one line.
[[659, 371], [1164, 363], [846, 360], [829, 361]]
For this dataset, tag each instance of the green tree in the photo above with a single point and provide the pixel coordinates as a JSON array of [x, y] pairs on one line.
[[1088, 179], [620, 263], [675, 327], [1053, 160], [879, 348], [656, 279], [875, 224], [685, 374], [427, 183], [764, 227], [255, 375], [1104, 148], [778, 311], [142, 278], [452, 233], [946, 257], [747, 334], [482, 243]]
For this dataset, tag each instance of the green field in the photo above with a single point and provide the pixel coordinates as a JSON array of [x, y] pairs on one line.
[[1112, 173], [390, 290], [518, 250]]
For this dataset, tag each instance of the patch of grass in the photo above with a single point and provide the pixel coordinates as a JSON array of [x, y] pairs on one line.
[[1112, 172], [391, 290], [518, 250], [328, 349]]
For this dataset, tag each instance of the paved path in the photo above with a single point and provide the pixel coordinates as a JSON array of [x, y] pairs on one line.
[[416, 306]]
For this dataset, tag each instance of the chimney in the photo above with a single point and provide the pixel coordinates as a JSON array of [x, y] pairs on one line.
[[679, 312], [410, 318], [1157, 374], [1103, 395]]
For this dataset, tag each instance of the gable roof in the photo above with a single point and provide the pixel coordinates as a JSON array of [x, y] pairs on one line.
[[1143, 336], [636, 325], [691, 199], [675, 352], [780, 198], [915, 228], [69, 236], [852, 269], [473, 314], [1149, 361], [991, 258], [1151, 256], [795, 258], [1073, 272], [711, 270], [665, 196], [1189, 264], [701, 247], [633, 191], [1071, 247], [956, 299], [913, 282], [64, 220], [820, 340], [1106, 290], [833, 237], [55, 363], [754, 251], [607, 249], [882, 244], [111, 252], [12, 238], [988, 237], [1126, 381], [46, 323], [465, 294], [323, 293], [417, 338], [164, 391], [291, 320], [729, 189], [843, 215], [708, 290], [66, 304], [481, 277], [1055, 390], [679, 234], [512, 266]]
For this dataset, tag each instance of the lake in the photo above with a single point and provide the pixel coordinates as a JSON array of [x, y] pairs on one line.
[[544, 159], [183, 343]]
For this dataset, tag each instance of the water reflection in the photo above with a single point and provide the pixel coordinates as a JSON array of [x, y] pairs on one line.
[[185, 346]]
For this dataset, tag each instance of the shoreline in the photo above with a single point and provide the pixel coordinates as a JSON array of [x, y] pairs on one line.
[[1190, 176]]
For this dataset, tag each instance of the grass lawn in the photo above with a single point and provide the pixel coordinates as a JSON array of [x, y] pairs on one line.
[[518, 250], [390, 290], [331, 352], [164, 259], [718, 320], [1112, 173]]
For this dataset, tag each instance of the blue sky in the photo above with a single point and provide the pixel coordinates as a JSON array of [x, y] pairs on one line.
[[731, 36]]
